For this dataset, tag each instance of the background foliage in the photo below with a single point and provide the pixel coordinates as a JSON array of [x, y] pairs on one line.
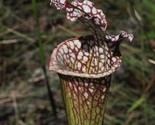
[[29, 30]]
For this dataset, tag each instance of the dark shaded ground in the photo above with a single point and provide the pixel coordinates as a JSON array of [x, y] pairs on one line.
[[23, 94]]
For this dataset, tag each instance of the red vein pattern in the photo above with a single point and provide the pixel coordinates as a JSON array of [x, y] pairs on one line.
[[86, 57], [85, 64], [85, 99], [93, 18]]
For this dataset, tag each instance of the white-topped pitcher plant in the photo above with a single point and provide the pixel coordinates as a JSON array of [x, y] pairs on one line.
[[85, 64]]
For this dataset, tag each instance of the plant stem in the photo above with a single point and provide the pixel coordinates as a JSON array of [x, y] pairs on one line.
[[42, 58]]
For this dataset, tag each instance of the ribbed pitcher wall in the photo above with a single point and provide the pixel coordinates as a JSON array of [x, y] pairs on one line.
[[85, 99]]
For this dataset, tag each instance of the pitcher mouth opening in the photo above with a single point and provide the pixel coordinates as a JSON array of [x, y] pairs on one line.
[[94, 56], [88, 57]]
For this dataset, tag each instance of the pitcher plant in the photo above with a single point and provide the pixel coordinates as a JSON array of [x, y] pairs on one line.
[[85, 64]]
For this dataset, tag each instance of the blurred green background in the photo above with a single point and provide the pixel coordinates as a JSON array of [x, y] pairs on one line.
[[30, 29]]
